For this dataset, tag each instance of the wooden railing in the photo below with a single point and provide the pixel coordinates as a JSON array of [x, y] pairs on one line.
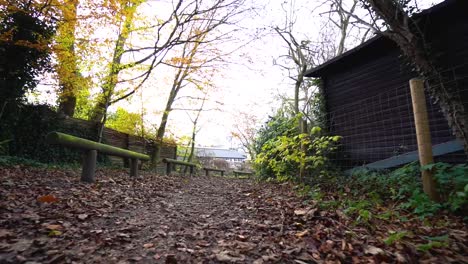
[[170, 164], [238, 173], [90, 149], [207, 171]]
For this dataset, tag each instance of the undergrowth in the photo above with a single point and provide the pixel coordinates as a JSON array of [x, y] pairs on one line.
[[11, 161], [357, 194]]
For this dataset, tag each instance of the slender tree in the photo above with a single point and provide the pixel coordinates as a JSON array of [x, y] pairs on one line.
[[197, 55], [244, 130]]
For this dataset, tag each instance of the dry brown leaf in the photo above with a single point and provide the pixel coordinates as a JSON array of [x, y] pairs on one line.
[[225, 257], [300, 212], [54, 227], [5, 233], [303, 233], [373, 250], [82, 216], [47, 199]]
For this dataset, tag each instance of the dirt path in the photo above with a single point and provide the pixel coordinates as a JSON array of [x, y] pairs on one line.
[[48, 216]]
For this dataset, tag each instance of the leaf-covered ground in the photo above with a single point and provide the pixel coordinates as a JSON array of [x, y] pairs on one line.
[[48, 216]]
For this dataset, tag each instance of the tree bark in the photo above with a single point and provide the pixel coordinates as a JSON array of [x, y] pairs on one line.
[[70, 79]]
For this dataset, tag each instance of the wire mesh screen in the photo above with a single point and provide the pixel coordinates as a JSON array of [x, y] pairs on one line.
[[382, 126]]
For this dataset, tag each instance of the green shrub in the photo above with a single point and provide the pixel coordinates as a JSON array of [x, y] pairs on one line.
[[284, 155], [404, 185]]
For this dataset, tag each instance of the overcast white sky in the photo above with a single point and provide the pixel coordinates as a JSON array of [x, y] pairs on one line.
[[249, 83]]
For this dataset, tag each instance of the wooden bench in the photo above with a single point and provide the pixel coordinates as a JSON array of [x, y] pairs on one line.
[[170, 164], [239, 173], [90, 149], [207, 170]]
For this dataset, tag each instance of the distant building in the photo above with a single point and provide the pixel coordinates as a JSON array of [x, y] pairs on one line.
[[233, 157]]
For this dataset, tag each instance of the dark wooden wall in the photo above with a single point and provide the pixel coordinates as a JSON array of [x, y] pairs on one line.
[[367, 93]]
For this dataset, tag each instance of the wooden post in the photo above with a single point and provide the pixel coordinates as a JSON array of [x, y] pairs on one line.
[[89, 166], [133, 167], [127, 161], [423, 135], [168, 168]]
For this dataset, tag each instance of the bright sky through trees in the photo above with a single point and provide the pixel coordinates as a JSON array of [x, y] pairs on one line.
[[247, 82]]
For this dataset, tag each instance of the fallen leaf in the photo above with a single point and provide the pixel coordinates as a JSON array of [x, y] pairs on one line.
[[47, 199], [311, 212], [54, 227], [148, 245], [5, 233], [123, 235], [242, 238], [82, 216], [373, 250], [54, 233], [300, 212], [224, 256], [303, 233]]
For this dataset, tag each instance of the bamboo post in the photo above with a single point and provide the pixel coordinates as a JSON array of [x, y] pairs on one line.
[[423, 136]]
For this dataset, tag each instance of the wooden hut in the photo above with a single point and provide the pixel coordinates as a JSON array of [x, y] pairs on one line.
[[367, 97]]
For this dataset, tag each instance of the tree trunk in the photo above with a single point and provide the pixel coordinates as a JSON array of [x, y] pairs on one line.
[[192, 146], [156, 154], [70, 79]]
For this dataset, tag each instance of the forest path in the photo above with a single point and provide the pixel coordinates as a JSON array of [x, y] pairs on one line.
[[48, 216]]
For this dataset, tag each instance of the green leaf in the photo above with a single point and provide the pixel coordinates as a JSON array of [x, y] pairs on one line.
[[438, 238], [316, 130], [395, 237], [54, 233]]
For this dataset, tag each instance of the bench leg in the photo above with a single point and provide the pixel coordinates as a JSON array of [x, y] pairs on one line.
[[222, 174], [207, 173], [89, 166], [191, 170], [134, 168]]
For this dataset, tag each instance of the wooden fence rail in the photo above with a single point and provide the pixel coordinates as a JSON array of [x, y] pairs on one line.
[[239, 173], [91, 148], [172, 162], [207, 171]]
